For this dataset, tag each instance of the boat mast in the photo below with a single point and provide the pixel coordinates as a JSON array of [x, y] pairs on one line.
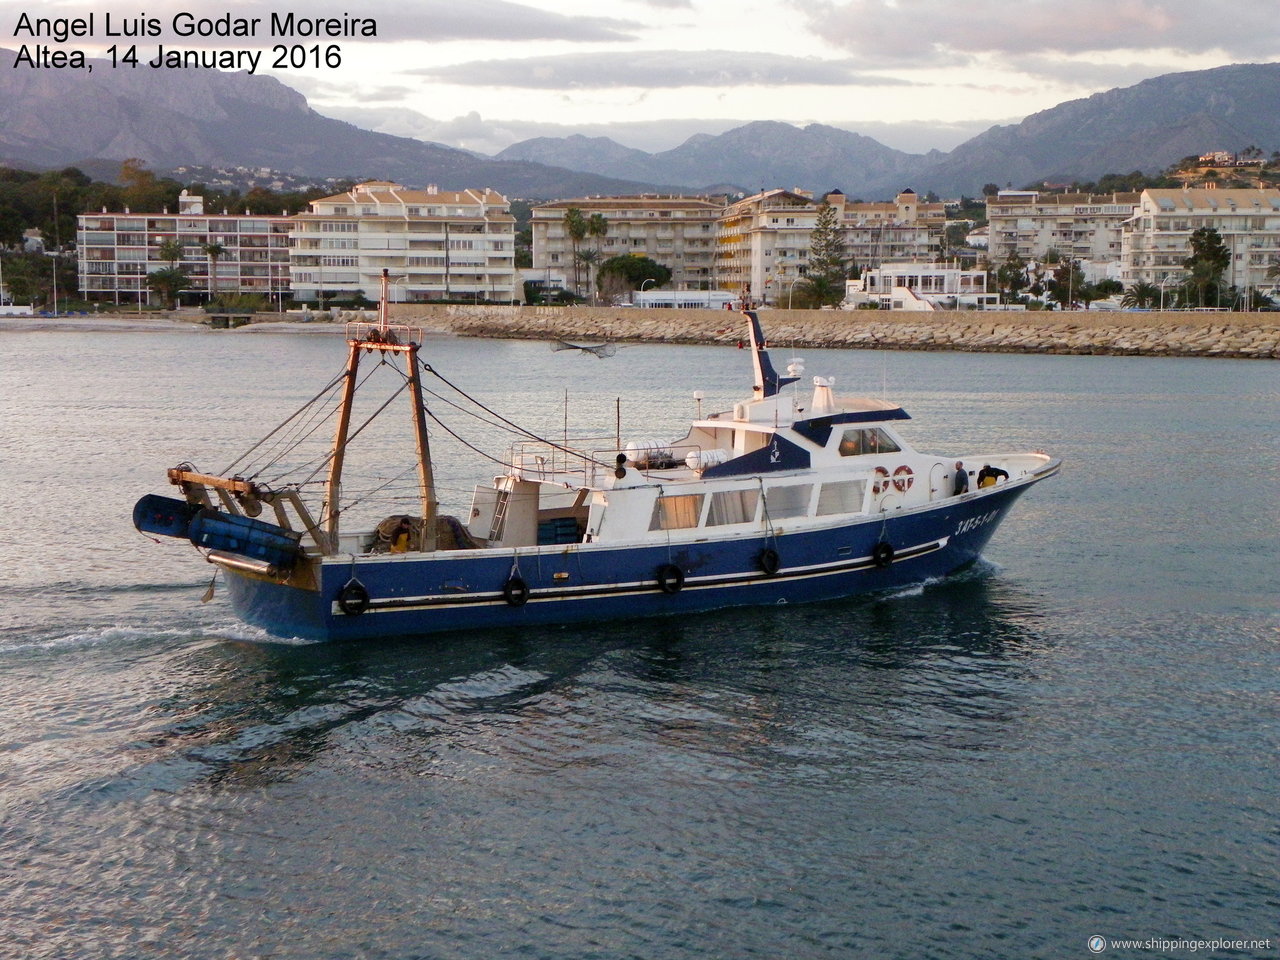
[[382, 338], [426, 474], [340, 441]]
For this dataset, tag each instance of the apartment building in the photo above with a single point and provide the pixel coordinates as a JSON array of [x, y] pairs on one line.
[[763, 244], [903, 229], [756, 248], [437, 245], [677, 232], [1029, 223], [1156, 238], [118, 250]]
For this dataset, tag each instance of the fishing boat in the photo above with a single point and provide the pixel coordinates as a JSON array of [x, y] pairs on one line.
[[793, 495]]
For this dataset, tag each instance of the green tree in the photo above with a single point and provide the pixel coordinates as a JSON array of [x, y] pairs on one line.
[[575, 227], [1067, 284], [524, 248], [823, 284], [597, 230], [619, 274], [214, 251], [1011, 276], [170, 251], [168, 282], [1207, 264], [1141, 295], [590, 259]]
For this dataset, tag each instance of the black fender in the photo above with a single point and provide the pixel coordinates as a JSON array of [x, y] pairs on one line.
[[769, 561], [353, 598], [670, 578], [516, 592]]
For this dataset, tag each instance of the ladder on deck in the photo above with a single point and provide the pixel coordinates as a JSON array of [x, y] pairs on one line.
[[499, 515]]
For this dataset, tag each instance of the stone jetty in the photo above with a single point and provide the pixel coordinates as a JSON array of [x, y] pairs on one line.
[[1169, 334]]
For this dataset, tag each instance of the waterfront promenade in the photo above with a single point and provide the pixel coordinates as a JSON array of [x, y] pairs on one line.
[[1169, 334]]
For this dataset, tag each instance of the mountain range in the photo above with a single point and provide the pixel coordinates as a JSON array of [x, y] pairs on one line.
[[54, 118]]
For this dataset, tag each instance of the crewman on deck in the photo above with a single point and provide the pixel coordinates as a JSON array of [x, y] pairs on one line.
[[988, 476], [400, 539], [962, 480]]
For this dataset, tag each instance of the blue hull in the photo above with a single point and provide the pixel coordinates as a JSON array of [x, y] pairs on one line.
[[463, 590]]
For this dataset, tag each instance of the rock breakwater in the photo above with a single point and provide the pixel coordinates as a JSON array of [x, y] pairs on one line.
[[1244, 335]]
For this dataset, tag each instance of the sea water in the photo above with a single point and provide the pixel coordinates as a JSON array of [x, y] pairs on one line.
[[1076, 738]]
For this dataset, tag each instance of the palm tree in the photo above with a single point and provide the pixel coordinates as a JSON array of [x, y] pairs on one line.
[[575, 225], [1141, 295], [168, 283], [597, 229], [589, 259], [213, 251]]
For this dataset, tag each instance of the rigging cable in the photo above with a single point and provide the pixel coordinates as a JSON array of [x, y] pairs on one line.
[[355, 433], [528, 433], [332, 383]]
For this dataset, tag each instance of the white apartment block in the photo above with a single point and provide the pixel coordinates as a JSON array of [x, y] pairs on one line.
[[906, 228], [756, 248], [1157, 237], [118, 250], [1028, 224], [763, 244], [677, 232], [437, 245]]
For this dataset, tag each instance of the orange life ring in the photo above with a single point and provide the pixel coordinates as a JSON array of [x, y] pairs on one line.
[[903, 478], [881, 483]]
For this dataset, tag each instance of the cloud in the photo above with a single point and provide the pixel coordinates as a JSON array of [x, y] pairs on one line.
[[1071, 71], [910, 30], [422, 20], [655, 69]]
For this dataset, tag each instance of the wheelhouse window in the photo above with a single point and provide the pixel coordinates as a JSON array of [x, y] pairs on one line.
[[732, 506], [842, 497], [676, 513], [789, 501], [857, 443]]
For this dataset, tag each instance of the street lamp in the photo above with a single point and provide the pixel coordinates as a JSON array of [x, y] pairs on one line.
[[791, 286], [1167, 277], [54, 255], [642, 285]]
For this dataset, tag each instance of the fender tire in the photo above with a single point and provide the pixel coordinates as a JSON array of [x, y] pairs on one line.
[[769, 561], [670, 578], [516, 592], [882, 554], [353, 598]]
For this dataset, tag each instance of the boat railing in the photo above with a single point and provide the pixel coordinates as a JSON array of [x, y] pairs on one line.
[[655, 459], [546, 461], [394, 334]]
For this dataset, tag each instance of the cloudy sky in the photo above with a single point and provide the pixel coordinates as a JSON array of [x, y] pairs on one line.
[[914, 74]]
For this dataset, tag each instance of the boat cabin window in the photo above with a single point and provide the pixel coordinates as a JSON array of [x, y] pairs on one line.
[[842, 497], [676, 513], [732, 506], [789, 501], [856, 443]]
